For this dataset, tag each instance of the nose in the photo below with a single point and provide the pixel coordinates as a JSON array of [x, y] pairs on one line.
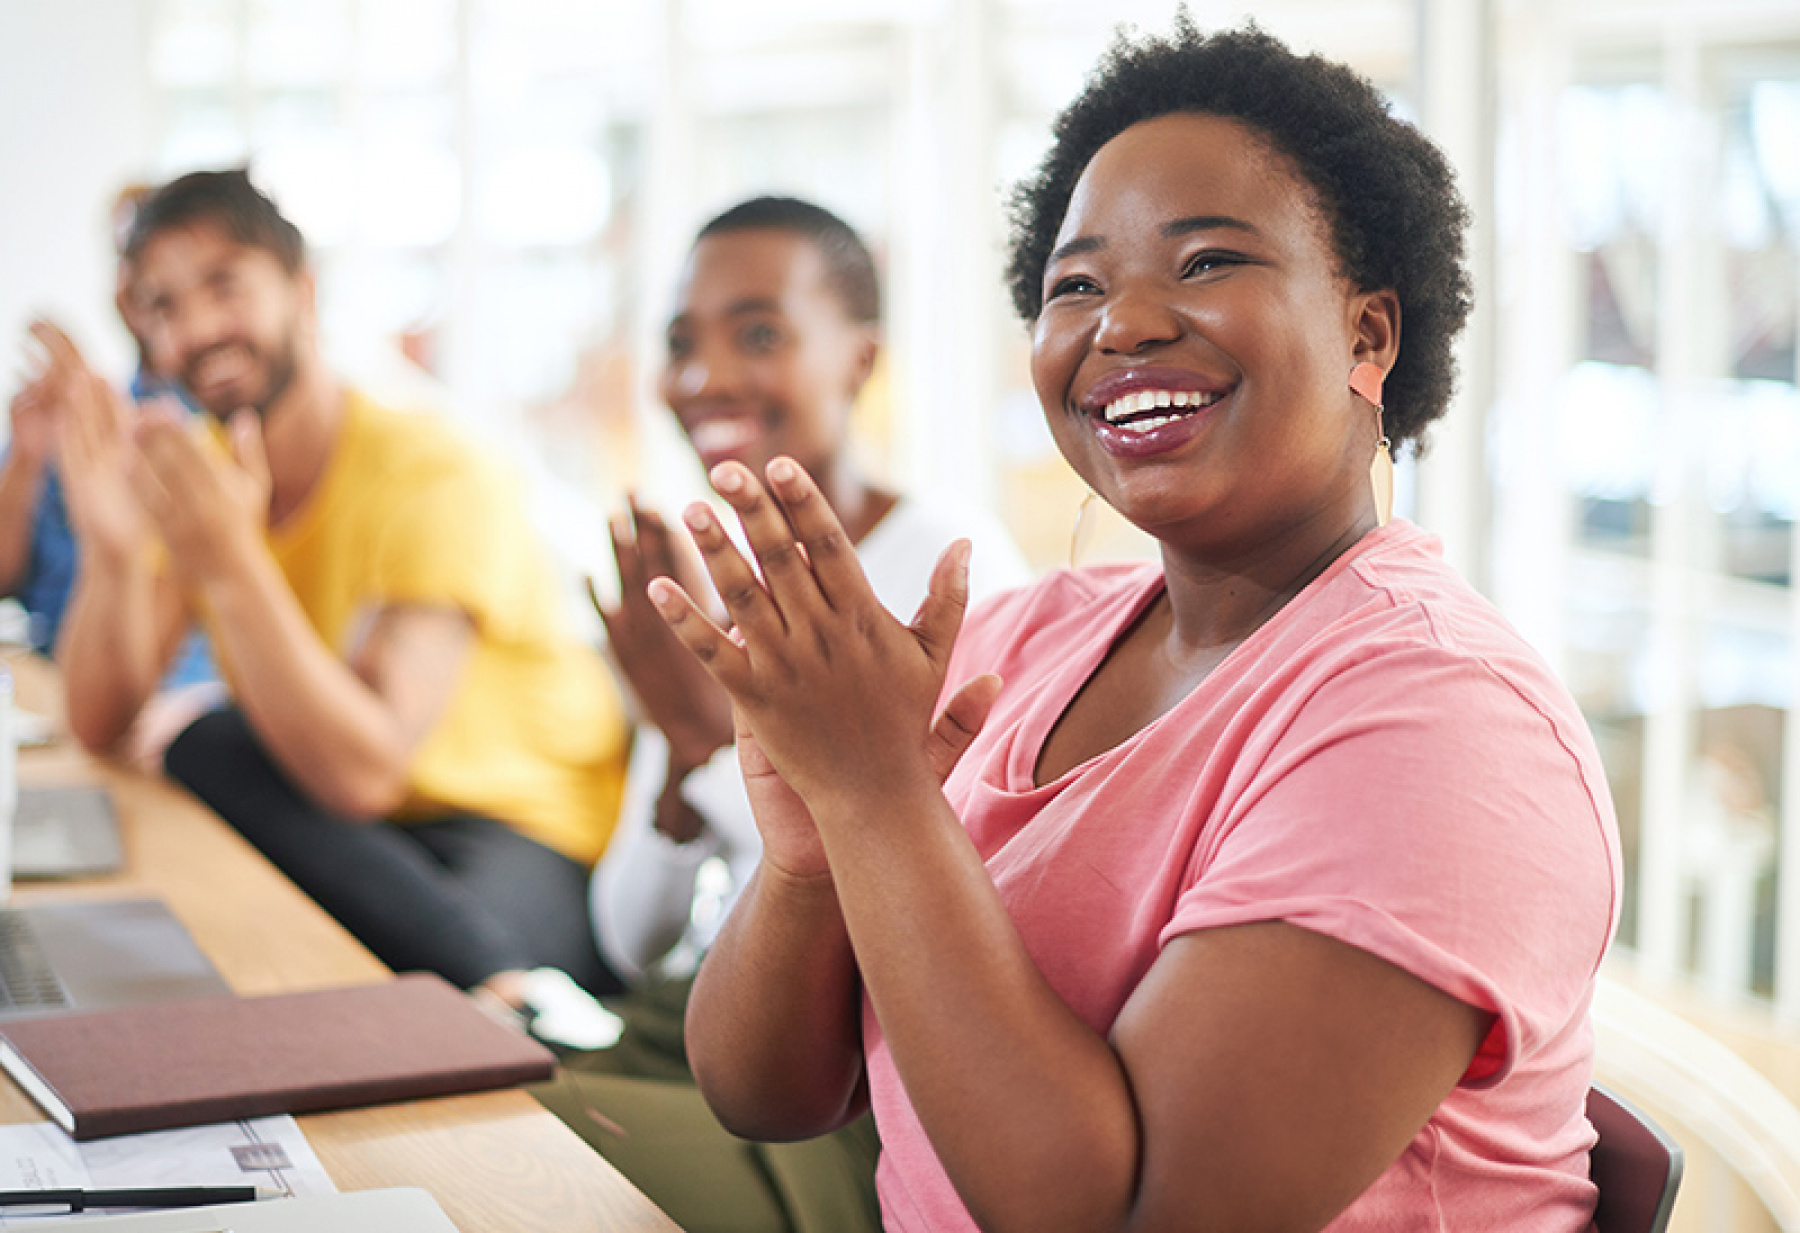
[[705, 371], [688, 377], [190, 329], [1134, 319]]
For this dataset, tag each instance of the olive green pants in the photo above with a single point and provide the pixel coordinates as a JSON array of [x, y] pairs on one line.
[[636, 1104]]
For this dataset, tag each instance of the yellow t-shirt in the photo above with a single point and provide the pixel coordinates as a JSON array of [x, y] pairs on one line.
[[406, 512]]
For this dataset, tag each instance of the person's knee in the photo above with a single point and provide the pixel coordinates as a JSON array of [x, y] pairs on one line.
[[222, 762], [216, 746]]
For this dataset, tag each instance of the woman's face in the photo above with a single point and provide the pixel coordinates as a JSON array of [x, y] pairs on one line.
[[1196, 339], [763, 359]]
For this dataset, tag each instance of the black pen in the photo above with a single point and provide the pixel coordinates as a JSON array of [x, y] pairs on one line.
[[137, 1196]]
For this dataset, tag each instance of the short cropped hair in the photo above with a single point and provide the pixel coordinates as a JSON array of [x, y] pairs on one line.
[[225, 199], [1388, 196], [849, 266]]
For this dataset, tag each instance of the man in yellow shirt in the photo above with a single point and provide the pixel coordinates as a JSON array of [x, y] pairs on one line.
[[417, 737]]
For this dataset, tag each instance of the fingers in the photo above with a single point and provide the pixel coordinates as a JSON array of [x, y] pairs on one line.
[[153, 484], [960, 722], [669, 554], [607, 615], [655, 545], [834, 568], [723, 657], [940, 614], [31, 399], [163, 443], [173, 476], [643, 548], [627, 558], [91, 431], [248, 449], [747, 602], [65, 360], [787, 577]]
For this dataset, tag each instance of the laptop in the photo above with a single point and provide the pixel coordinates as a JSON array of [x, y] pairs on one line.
[[399, 1210], [56, 957], [65, 832]]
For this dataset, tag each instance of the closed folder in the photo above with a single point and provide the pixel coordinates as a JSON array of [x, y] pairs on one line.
[[167, 1064]]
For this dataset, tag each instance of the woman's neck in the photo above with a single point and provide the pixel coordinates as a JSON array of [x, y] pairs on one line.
[[1216, 603], [858, 504]]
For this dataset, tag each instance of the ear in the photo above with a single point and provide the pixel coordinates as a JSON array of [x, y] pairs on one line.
[[306, 306], [868, 350], [306, 286], [1375, 328]]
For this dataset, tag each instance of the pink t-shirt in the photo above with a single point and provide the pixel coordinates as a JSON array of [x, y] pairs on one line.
[[1386, 763]]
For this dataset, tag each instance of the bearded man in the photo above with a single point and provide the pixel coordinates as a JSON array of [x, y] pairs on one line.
[[417, 738]]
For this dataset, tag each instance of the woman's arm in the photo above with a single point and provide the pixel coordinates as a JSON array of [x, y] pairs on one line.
[[774, 1023], [1259, 1077], [642, 894]]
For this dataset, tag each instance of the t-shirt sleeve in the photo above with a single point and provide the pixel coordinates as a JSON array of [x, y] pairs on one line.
[[457, 540], [1424, 808]]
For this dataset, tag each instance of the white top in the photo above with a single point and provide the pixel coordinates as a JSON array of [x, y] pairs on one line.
[[649, 900]]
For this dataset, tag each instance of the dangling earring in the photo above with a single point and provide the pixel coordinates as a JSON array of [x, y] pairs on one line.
[[1365, 381], [1081, 513]]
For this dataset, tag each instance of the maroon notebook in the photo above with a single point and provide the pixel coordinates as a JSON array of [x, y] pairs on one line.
[[168, 1064]]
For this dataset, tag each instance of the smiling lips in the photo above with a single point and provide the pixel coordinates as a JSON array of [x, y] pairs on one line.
[[221, 365], [1139, 410], [1144, 411], [721, 436]]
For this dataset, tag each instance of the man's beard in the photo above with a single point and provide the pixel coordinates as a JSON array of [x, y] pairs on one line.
[[278, 372]]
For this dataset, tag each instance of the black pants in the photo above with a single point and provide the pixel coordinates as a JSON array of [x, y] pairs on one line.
[[464, 896]]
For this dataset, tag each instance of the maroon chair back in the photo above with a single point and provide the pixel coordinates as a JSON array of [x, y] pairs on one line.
[[1635, 1165]]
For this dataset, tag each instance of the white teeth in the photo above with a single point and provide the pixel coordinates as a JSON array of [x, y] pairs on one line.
[[720, 436], [221, 365], [1155, 400], [1155, 421]]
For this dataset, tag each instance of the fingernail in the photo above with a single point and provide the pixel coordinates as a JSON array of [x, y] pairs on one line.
[[662, 594], [726, 478], [697, 516], [784, 470]]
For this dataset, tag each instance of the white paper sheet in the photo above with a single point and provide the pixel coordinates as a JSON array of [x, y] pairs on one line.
[[268, 1151]]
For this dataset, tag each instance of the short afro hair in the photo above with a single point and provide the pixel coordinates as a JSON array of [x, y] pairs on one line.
[[849, 266], [1387, 194], [227, 200]]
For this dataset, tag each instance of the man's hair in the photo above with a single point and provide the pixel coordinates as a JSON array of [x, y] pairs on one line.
[[849, 266], [226, 200], [1388, 197]]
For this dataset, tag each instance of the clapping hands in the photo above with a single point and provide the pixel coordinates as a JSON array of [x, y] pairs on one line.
[[834, 696], [130, 473], [677, 694]]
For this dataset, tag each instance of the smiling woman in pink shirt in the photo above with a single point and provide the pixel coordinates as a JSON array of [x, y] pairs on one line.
[[1262, 887]]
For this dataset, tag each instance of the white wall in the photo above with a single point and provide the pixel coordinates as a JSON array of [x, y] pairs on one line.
[[72, 131]]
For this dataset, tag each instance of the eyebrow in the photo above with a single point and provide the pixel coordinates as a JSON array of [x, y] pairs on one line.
[[737, 308], [1081, 244], [1170, 230], [1205, 222]]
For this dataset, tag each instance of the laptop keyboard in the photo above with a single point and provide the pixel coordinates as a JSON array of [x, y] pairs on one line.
[[26, 979]]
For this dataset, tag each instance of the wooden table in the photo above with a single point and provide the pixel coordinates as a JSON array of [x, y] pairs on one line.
[[495, 1160]]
